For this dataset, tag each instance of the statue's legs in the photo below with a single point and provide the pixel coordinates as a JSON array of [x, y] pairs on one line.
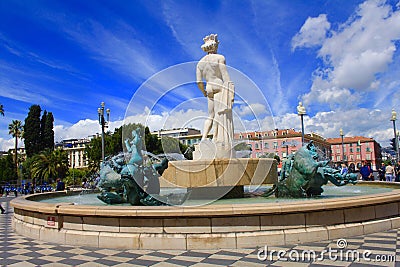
[[209, 122]]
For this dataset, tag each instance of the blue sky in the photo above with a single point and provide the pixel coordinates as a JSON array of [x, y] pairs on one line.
[[341, 58]]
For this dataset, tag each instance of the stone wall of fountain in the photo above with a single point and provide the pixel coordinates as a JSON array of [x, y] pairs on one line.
[[206, 227]]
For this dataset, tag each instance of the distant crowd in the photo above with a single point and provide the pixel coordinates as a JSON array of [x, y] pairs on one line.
[[24, 189], [389, 173], [386, 172]]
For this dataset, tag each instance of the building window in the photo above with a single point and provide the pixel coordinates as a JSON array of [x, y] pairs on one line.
[[358, 149], [337, 158], [344, 149], [358, 156], [337, 151], [368, 149], [368, 156], [351, 144], [256, 146], [351, 157], [275, 145], [351, 149], [266, 145]]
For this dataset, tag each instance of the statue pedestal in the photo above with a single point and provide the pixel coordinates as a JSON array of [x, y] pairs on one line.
[[215, 178], [208, 150]]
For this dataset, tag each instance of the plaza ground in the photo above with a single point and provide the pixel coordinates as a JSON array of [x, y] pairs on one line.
[[16, 250]]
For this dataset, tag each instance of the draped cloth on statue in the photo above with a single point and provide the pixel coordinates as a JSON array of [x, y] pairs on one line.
[[223, 120]]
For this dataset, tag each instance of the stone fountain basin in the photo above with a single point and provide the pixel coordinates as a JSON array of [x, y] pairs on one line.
[[206, 227]]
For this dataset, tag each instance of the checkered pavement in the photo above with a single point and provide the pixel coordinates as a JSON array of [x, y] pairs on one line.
[[16, 250]]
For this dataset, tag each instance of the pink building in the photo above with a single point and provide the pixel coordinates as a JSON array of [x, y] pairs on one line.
[[280, 142], [355, 150]]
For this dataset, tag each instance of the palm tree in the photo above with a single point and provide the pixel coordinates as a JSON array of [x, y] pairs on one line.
[[15, 129], [50, 164], [1, 109]]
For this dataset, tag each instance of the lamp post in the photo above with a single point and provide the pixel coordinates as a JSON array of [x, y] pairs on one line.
[[104, 124], [396, 142], [341, 135], [301, 111]]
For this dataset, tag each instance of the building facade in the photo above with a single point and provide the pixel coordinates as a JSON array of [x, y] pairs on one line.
[[280, 142], [187, 136], [76, 152], [355, 150]]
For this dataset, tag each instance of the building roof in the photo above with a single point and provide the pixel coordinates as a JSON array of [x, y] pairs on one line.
[[353, 139]]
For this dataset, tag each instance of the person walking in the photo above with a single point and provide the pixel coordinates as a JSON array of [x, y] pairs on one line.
[[365, 172], [389, 172], [381, 172], [397, 172], [344, 171]]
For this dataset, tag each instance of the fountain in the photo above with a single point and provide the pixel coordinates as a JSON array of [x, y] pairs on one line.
[[214, 173]]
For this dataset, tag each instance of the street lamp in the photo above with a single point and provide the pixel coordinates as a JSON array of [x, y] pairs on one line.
[[396, 142], [104, 124], [341, 135], [301, 111]]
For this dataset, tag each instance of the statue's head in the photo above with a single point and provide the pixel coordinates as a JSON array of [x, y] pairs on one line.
[[210, 43]]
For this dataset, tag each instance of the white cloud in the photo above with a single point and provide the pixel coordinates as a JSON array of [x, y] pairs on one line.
[[6, 144], [354, 122], [312, 33], [251, 109], [355, 54]]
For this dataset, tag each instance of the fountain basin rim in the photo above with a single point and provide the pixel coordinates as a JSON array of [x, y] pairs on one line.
[[28, 203]]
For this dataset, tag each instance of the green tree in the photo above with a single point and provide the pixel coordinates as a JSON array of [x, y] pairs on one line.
[[49, 165], [93, 154], [47, 135], [170, 145], [32, 131], [242, 146], [7, 169], [152, 142], [26, 168], [15, 129], [75, 176], [1, 109]]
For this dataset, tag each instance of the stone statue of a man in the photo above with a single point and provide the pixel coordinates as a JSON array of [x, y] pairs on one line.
[[219, 91]]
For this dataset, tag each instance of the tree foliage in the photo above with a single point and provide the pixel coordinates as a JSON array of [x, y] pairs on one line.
[[49, 165], [242, 146], [38, 131], [47, 133], [32, 131], [75, 176], [7, 168], [15, 129], [152, 143]]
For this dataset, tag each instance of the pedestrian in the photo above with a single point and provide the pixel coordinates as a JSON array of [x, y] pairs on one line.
[[60, 185], [352, 168], [397, 172], [365, 172], [381, 172], [389, 172], [344, 170]]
